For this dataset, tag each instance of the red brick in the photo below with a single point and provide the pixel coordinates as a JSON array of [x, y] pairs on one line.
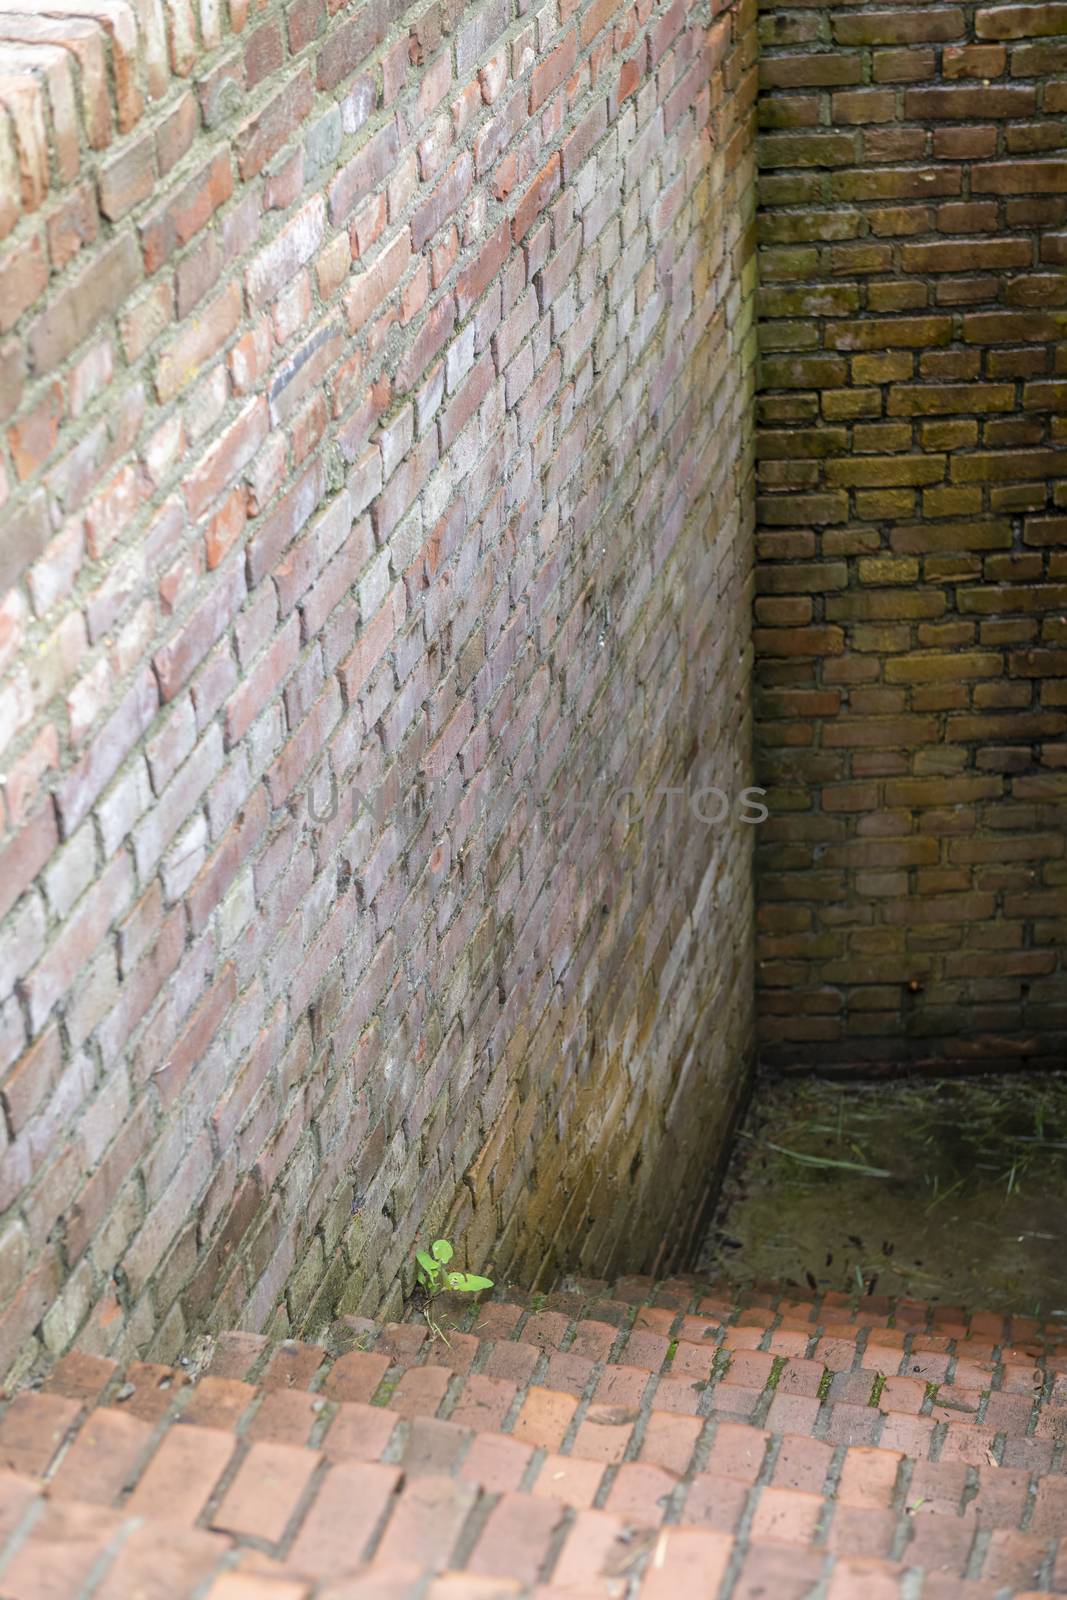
[[552, 70], [570, 1480], [713, 1502], [177, 220], [285, 1416], [25, 855], [358, 1431], [536, 199], [596, 1544], [370, 288], [227, 457], [178, 1480], [445, 200], [78, 1376], [516, 1537], [367, 169], [669, 1441], [786, 1516], [64, 1545], [420, 1391], [263, 133], [544, 1418], [263, 1497], [102, 1459], [349, 43], [484, 1402], [350, 1503], [98, 909], [355, 1376], [495, 1463], [640, 1492], [690, 1561], [32, 1429], [127, 178], [472, 281], [604, 1433], [868, 1478], [156, 1561], [180, 360], [23, 276], [83, 304], [426, 1522], [737, 1452]]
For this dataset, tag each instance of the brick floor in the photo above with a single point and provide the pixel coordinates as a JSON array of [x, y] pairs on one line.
[[652, 1441]]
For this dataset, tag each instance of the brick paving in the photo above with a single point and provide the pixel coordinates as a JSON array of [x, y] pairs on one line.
[[642, 1441]]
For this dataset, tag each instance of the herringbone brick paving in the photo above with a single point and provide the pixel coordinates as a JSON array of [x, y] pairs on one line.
[[649, 1440]]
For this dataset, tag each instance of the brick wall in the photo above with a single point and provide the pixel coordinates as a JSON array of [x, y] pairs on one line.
[[912, 579], [376, 436]]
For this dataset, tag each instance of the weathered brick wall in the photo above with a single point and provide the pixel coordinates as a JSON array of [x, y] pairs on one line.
[[912, 579], [376, 412]]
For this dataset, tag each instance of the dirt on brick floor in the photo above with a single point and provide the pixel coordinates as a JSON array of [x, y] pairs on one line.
[[952, 1191]]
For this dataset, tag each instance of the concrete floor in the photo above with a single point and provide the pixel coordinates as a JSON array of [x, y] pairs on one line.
[[953, 1191]]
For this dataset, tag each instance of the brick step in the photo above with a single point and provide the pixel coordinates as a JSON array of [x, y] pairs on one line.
[[273, 1529], [560, 1440], [845, 1372], [712, 1470], [797, 1309], [162, 1436], [954, 1406], [538, 1375], [596, 1552]]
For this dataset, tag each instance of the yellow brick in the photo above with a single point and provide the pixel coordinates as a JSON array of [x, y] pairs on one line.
[[886, 569]]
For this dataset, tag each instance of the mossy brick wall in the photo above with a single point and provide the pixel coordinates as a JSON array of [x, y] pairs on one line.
[[376, 389], [912, 578]]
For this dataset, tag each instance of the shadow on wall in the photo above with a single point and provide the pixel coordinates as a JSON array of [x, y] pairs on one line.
[[911, 704]]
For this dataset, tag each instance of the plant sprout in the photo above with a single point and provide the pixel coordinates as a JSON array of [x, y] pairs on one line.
[[435, 1278]]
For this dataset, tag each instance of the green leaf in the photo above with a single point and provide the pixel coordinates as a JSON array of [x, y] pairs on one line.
[[468, 1282], [428, 1267], [442, 1250], [826, 1161]]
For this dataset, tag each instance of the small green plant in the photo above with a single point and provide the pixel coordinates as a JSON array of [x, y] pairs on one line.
[[435, 1278]]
